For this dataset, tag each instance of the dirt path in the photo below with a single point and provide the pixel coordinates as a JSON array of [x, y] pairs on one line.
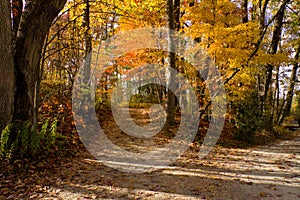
[[268, 172]]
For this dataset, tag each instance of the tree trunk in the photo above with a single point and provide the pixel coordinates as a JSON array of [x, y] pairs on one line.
[[177, 15], [170, 121], [290, 94], [262, 10], [245, 11], [87, 37], [34, 25], [276, 98], [87, 53], [274, 46], [7, 78]]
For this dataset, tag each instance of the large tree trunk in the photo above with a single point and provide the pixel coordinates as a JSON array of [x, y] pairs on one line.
[[34, 25], [7, 79]]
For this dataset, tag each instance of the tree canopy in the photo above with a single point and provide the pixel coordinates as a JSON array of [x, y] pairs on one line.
[[254, 45]]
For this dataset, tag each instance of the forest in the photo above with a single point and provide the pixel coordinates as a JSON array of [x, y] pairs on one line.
[[130, 99]]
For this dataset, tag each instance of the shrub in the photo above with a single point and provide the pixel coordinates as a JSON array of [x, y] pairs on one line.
[[249, 119], [21, 139]]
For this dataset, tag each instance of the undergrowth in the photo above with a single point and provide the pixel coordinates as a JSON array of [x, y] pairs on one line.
[[22, 139]]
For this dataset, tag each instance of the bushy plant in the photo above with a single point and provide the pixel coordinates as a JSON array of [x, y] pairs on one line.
[[21, 139], [249, 119]]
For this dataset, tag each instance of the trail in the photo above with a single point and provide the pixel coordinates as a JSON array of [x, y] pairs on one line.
[[266, 172]]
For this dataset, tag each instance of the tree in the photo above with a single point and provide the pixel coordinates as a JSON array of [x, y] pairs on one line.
[[290, 93], [274, 47], [24, 56], [172, 61], [7, 77]]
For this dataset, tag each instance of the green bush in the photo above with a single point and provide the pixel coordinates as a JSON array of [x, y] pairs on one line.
[[21, 139], [249, 119]]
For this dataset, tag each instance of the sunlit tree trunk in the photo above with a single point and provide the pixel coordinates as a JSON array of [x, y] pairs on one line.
[[171, 62], [88, 40], [274, 47], [290, 94], [86, 72], [276, 97], [262, 5]]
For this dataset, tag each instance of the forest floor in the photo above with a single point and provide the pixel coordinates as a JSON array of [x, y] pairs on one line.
[[264, 172]]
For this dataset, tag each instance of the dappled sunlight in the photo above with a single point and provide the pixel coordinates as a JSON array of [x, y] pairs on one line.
[[153, 99], [92, 191], [224, 173], [234, 176]]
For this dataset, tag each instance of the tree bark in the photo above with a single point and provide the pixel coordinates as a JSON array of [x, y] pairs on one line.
[[263, 8], [170, 121], [34, 25], [290, 94], [245, 11], [274, 46], [88, 43], [177, 14], [7, 78]]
